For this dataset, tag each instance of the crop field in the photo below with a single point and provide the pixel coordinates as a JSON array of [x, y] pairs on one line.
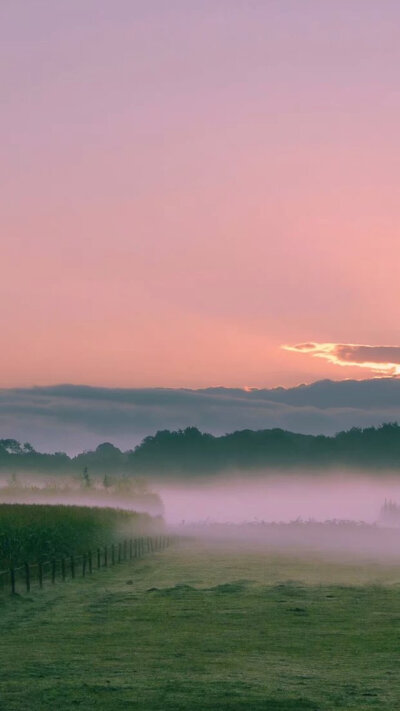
[[209, 625], [30, 532]]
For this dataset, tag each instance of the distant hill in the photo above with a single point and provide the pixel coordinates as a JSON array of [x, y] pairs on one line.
[[189, 452]]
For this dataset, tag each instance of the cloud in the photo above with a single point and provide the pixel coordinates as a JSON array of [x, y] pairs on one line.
[[72, 418], [382, 360]]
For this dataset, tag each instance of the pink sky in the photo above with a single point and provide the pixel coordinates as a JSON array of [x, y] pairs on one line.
[[187, 186]]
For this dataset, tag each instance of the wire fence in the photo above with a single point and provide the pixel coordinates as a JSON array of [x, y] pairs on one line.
[[30, 576]]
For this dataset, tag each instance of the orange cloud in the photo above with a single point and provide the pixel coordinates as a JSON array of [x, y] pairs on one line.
[[382, 360]]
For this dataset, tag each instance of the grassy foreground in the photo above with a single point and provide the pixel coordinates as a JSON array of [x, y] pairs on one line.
[[202, 627]]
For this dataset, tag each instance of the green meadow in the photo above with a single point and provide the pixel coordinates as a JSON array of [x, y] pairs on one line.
[[204, 626]]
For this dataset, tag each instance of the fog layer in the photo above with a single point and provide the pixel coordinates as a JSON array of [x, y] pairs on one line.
[[283, 497]]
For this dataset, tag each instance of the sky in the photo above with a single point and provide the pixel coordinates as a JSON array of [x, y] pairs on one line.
[[199, 193]]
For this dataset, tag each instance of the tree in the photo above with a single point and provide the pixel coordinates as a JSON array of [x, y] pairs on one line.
[[86, 478], [106, 481]]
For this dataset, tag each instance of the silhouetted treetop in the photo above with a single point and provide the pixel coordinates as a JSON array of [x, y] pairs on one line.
[[191, 452]]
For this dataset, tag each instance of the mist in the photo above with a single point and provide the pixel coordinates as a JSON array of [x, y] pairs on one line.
[[278, 497], [263, 496], [337, 513], [130, 494]]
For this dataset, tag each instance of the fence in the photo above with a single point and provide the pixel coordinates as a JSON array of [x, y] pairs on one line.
[[34, 575]]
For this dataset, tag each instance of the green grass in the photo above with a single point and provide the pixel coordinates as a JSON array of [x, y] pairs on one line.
[[207, 627]]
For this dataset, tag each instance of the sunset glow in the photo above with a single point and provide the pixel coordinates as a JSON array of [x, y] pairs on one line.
[[374, 358], [186, 186]]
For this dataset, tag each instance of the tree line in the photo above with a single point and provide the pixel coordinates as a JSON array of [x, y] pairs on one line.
[[191, 452]]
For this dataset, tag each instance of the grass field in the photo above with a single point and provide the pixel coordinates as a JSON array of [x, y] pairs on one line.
[[205, 626]]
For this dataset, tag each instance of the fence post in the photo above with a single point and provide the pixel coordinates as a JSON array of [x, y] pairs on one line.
[[40, 574], [72, 561], [130, 549], [125, 549], [119, 552], [90, 562], [12, 580], [112, 554], [27, 577], [83, 565], [105, 556], [53, 571], [63, 569], [98, 558]]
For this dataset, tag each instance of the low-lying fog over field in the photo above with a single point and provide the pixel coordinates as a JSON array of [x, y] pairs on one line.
[[119, 492], [343, 513], [279, 497], [236, 499]]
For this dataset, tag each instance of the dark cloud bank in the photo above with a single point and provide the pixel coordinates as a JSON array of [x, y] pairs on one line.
[[76, 417]]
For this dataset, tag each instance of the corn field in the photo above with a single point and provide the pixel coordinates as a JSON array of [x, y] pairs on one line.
[[38, 532]]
